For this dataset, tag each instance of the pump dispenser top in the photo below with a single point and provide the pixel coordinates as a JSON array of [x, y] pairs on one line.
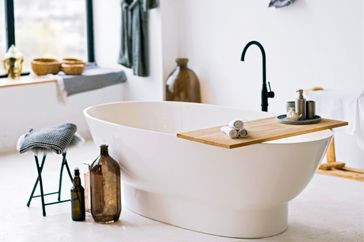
[[300, 105], [300, 93]]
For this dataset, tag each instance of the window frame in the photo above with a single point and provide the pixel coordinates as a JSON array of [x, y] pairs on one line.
[[10, 27]]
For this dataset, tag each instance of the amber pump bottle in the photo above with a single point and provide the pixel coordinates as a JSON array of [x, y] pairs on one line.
[[77, 198], [300, 105]]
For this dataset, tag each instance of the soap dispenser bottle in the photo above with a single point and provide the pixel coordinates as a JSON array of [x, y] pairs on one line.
[[300, 105]]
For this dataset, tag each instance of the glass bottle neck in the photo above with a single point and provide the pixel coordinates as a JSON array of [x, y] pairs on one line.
[[183, 66], [76, 181], [104, 150], [182, 62]]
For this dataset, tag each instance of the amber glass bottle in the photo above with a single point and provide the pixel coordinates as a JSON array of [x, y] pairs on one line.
[[77, 198], [105, 188], [183, 84]]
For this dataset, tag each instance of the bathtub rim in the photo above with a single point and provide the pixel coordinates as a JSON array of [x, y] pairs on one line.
[[324, 134]]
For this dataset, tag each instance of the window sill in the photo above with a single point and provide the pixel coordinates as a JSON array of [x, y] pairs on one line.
[[25, 81], [93, 78]]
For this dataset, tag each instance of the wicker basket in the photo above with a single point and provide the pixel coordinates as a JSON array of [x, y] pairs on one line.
[[44, 66], [73, 69]]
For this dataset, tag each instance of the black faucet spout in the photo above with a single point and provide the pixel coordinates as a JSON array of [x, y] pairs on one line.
[[265, 94]]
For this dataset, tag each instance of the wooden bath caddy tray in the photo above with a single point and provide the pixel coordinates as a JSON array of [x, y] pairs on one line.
[[260, 130]]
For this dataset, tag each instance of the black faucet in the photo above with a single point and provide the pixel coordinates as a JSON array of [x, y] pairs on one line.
[[265, 93]]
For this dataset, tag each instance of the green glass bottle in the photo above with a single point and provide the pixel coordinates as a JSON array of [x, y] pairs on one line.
[[77, 198]]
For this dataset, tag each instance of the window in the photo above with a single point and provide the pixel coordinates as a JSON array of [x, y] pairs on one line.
[[49, 28], [2, 28]]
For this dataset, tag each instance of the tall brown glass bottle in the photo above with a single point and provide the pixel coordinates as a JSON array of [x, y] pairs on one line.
[[183, 84], [77, 198], [105, 188]]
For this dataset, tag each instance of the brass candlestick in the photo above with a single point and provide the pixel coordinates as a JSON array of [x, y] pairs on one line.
[[13, 63]]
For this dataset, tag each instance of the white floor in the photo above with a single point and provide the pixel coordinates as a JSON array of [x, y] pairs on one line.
[[329, 209]]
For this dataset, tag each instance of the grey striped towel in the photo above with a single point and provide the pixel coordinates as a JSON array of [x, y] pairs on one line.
[[52, 139], [280, 3]]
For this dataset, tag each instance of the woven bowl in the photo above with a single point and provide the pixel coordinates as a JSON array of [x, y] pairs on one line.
[[44, 66], [73, 69]]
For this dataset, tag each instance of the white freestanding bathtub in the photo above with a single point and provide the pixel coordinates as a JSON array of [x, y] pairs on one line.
[[242, 192]]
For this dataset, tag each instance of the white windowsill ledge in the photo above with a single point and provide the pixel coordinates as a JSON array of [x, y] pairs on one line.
[[25, 81], [90, 71]]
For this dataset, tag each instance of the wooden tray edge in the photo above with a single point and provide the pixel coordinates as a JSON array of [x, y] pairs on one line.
[[258, 141]]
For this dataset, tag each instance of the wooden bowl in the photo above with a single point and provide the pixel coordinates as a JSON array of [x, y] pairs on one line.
[[44, 66], [72, 61], [73, 69]]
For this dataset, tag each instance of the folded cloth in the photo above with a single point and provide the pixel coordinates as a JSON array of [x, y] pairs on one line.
[[92, 78], [229, 131], [280, 3], [54, 139], [242, 133], [343, 105], [236, 123]]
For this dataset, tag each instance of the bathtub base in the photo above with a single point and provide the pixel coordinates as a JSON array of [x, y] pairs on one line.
[[250, 222]]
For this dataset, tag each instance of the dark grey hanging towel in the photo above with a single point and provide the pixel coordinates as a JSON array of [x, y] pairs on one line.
[[134, 51]]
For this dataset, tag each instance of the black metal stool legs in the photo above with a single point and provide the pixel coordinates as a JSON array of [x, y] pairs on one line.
[[39, 170], [36, 181], [64, 163], [40, 181], [40, 184]]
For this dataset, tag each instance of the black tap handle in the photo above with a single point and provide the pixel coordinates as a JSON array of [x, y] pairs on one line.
[[270, 89], [270, 93]]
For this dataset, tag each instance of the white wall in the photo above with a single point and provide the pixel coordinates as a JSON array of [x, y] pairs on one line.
[[307, 44], [170, 10], [362, 44], [38, 106], [107, 28], [310, 43], [163, 45]]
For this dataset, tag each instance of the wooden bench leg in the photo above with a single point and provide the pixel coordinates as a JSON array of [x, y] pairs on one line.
[[331, 155], [331, 158], [339, 169]]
